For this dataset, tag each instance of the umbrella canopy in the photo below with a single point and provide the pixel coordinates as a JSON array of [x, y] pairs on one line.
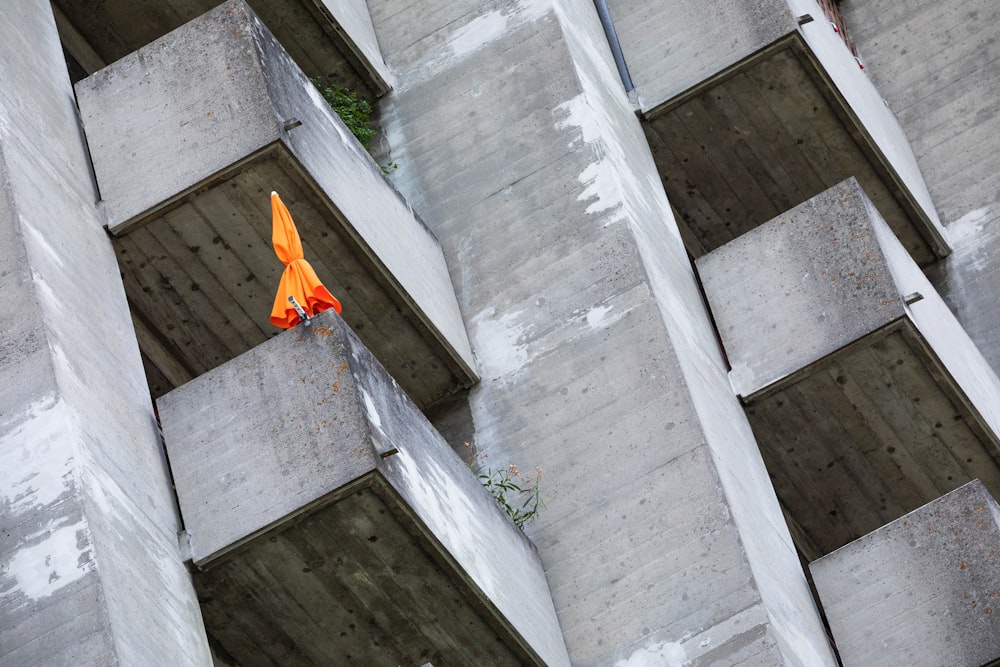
[[299, 280]]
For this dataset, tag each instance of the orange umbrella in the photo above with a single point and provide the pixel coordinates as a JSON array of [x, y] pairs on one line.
[[299, 280]]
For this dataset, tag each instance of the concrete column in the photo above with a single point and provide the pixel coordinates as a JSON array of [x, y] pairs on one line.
[[90, 570], [662, 538]]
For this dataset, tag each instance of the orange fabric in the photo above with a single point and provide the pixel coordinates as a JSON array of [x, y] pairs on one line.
[[299, 279]]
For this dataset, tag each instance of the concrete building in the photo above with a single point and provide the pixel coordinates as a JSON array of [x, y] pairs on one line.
[[724, 271]]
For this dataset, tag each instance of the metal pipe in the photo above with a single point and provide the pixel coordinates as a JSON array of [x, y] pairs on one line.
[[616, 47]]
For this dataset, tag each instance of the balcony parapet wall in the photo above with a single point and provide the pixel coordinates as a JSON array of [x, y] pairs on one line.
[[752, 108], [185, 171], [304, 452], [867, 397]]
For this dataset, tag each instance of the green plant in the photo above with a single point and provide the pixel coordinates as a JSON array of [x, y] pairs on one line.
[[519, 496], [354, 111]]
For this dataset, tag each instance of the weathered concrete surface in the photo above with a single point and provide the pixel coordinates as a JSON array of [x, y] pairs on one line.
[[938, 67], [662, 539], [876, 122], [197, 163], [865, 407], [920, 591], [333, 39], [90, 570], [262, 445]]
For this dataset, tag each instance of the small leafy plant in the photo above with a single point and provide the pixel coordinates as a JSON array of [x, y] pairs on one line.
[[355, 111], [518, 495]]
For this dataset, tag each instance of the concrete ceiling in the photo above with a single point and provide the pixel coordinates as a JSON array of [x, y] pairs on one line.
[[353, 583], [762, 137]]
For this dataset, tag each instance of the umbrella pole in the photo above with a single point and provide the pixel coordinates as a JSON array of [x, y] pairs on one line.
[[300, 310]]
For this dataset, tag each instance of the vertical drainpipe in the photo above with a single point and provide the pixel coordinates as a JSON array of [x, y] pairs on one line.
[[616, 48]]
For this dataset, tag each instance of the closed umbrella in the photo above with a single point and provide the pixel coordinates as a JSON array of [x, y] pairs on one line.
[[299, 284]]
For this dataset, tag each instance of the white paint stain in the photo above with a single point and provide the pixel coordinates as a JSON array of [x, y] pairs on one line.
[[36, 465], [661, 654], [449, 513], [596, 316], [466, 40], [372, 411], [969, 227], [39, 570], [498, 343], [601, 179], [476, 33]]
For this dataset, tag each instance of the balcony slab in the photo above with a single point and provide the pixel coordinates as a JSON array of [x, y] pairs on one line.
[[185, 174], [331, 524], [752, 108], [866, 396], [923, 590]]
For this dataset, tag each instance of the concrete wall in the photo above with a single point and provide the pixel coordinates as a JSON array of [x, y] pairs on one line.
[[662, 540], [90, 570], [938, 67]]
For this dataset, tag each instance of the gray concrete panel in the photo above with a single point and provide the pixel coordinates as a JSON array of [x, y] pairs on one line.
[[240, 469], [921, 590], [90, 569], [298, 423], [936, 65]]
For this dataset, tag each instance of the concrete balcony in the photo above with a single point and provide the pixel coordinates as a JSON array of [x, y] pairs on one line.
[[185, 174], [866, 396], [923, 590], [751, 108], [330, 524], [333, 39]]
